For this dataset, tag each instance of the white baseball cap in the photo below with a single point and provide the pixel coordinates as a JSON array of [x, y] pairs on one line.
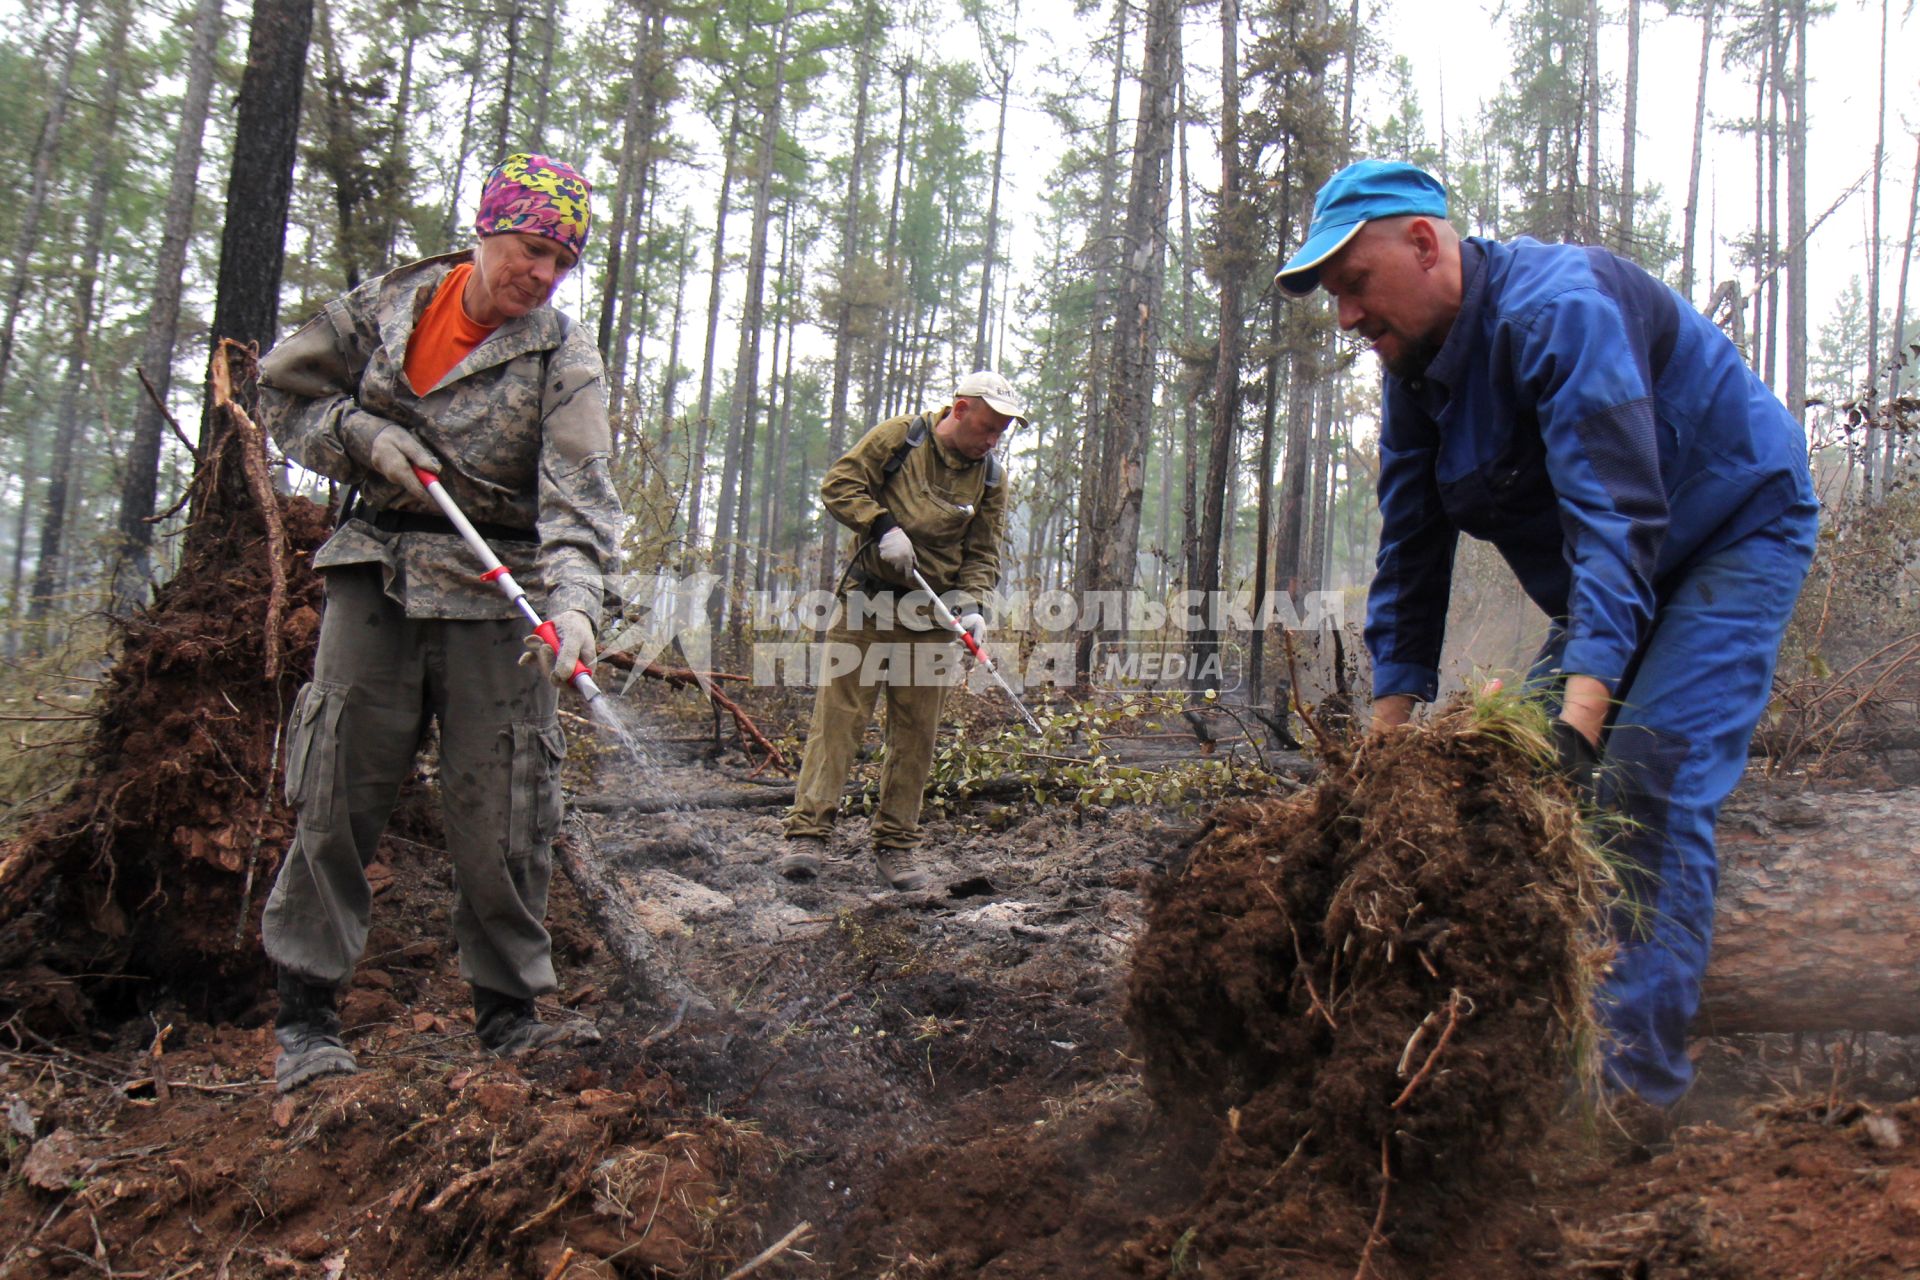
[[985, 384]]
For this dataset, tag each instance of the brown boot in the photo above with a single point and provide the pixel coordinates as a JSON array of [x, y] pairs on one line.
[[803, 858], [902, 870]]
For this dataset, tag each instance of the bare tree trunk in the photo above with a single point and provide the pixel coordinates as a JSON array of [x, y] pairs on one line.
[[1797, 223], [784, 301], [773, 481], [880, 371], [337, 154], [260, 185], [50, 564], [697, 464], [625, 202], [1630, 130], [737, 473], [1873, 262], [1136, 312], [670, 383], [503, 130], [1233, 255], [451, 235], [396, 144], [850, 237], [139, 483], [1591, 91], [27, 238], [1189, 409], [1776, 88], [1691, 215], [543, 89], [1901, 359], [1005, 74], [1093, 459]]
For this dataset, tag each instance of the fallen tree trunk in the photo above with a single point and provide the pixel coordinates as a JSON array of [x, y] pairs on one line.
[[1817, 926]]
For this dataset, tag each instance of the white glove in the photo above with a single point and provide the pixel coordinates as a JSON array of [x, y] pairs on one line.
[[974, 624], [395, 453], [896, 552], [576, 646]]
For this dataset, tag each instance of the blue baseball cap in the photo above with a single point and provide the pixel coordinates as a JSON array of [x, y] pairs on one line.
[[1353, 197]]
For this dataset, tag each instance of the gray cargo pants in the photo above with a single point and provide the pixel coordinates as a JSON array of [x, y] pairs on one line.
[[351, 742]]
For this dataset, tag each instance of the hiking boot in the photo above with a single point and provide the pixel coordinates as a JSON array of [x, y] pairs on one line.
[[510, 1026], [802, 860], [902, 870], [308, 1030]]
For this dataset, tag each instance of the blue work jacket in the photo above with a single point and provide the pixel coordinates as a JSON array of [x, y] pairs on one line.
[[1594, 427]]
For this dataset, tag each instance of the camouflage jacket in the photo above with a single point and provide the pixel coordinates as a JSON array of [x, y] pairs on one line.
[[943, 501], [519, 426]]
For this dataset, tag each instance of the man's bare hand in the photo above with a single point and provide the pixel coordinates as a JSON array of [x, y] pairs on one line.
[[1584, 706]]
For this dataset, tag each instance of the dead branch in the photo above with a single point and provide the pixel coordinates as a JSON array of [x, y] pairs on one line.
[[771, 1252], [173, 422], [253, 460]]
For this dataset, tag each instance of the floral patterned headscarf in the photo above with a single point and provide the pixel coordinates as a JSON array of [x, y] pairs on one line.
[[537, 196]]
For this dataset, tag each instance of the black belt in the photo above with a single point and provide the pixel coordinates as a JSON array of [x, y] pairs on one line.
[[421, 522]]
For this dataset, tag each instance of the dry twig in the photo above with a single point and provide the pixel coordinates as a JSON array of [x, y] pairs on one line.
[[768, 1254]]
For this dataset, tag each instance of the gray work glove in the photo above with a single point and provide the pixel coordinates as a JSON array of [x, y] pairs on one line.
[[974, 623], [896, 552], [395, 453], [576, 646]]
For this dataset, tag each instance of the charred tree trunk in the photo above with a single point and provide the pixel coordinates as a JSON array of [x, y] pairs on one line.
[[260, 186]]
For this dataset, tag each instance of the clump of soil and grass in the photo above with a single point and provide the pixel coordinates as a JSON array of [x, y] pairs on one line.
[[1377, 988]]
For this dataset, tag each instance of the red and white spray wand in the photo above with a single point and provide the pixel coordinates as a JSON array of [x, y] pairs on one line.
[[582, 677], [946, 619]]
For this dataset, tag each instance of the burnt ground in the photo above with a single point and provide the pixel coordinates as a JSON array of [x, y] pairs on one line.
[[937, 1085]]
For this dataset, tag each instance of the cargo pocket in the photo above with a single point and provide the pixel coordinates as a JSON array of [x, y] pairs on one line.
[[534, 806], [313, 753]]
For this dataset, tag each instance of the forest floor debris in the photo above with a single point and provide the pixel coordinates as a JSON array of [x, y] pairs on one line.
[[939, 1084]]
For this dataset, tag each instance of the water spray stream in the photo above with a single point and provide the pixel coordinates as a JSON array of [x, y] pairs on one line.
[[601, 708]]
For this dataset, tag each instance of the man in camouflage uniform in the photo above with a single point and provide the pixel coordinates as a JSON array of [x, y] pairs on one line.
[[926, 492], [516, 429]]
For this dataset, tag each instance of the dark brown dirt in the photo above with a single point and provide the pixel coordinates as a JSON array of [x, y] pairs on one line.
[[940, 1085], [1379, 985], [142, 868]]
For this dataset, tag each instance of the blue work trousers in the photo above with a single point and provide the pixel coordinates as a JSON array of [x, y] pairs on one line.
[[1674, 747]]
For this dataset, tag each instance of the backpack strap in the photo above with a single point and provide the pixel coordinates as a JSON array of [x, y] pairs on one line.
[[917, 432]]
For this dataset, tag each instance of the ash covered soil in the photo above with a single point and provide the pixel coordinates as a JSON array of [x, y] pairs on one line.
[[940, 1084]]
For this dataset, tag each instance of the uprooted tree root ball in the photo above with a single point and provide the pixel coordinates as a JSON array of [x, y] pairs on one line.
[[1379, 988]]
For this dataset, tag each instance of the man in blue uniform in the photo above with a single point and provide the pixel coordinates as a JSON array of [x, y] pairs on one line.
[[1650, 493]]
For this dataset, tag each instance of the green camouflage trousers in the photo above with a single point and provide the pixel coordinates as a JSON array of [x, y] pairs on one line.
[[916, 668], [351, 742]]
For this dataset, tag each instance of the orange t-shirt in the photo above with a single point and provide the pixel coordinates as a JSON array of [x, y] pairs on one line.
[[444, 335]]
